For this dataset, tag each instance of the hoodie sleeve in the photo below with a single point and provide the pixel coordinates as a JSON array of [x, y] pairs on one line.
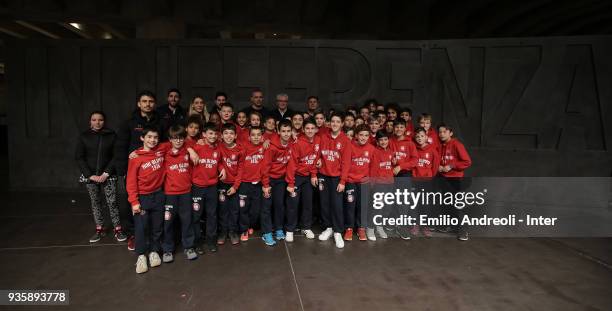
[[291, 166], [240, 169], [265, 167], [413, 158], [80, 157], [435, 164], [345, 158], [132, 181], [463, 158]]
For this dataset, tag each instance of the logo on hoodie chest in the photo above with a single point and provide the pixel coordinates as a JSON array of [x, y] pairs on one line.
[[153, 165]]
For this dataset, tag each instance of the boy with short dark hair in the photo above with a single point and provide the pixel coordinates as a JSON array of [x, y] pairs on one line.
[[250, 194], [145, 177], [360, 170], [424, 171], [177, 188], [454, 160], [232, 157], [204, 191], [275, 168], [301, 177]]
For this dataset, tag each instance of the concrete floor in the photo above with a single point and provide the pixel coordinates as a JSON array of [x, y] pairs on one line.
[[45, 247]]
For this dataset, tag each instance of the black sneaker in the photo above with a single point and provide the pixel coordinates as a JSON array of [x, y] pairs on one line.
[[403, 232], [221, 239], [212, 247], [97, 236], [199, 250], [463, 236], [234, 238], [120, 236]]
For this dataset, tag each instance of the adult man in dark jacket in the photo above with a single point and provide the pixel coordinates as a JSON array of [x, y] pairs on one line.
[[128, 140], [172, 113], [257, 104], [282, 111]]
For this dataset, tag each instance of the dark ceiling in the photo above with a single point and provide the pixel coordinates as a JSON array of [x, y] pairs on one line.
[[302, 19]]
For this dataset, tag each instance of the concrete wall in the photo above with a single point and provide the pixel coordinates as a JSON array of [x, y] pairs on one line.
[[524, 107]]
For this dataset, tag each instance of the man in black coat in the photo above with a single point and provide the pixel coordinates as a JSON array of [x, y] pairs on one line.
[[128, 140], [257, 105], [172, 113], [282, 110]]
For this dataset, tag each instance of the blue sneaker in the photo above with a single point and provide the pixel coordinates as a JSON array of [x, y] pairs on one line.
[[268, 239], [280, 234]]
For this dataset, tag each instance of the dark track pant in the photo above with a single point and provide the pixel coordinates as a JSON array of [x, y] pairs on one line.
[[332, 214], [204, 202], [148, 224], [303, 193], [279, 202], [228, 210], [250, 203], [178, 208], [352, 206]]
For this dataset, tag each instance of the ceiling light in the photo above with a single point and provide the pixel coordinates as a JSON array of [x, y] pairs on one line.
[[76, 25]]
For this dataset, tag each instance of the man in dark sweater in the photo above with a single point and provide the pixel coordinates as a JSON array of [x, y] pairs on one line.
[[282, 110], [172, 113], [257, 104], [128, 140]]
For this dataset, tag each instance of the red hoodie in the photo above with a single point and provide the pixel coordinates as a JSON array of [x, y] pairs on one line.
[[206, 172], [361, 163], [242, 134], [454, 154], [405, 153], [276, 157], [145, 173], [232, 160], [433, 139], [323, 130], [409, 129], [303, 159], [267, 135], [429, 159], [382, 169], [178, 171], [335, 156], [253, 162]]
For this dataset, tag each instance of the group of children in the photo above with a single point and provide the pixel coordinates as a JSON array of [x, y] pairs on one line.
[[242, 172]]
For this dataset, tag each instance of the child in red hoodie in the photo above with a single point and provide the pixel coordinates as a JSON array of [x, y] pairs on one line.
[[177, 188], [232, 157], [301, 177], [426, 169], [404, 149], [425, 121], [145, 177], [335, 162], [205, 177], [382, 177], [360, 170], [250, 193], [454, 159], [275, 168]]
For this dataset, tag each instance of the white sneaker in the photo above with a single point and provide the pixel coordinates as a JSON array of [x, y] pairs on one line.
[[339, 240], [309, 234], [381, 232], [370, 234], [324, 236], [154, 259], [141, 264], [289, 236]]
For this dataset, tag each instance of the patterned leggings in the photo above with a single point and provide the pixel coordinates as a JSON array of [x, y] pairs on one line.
[[109, 190]]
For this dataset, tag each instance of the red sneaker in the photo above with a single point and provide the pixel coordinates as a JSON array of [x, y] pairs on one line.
[[414, 231], [251, 231], [426, 232], [131, 243], [244, 237], [361, 234], [348, 234]]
